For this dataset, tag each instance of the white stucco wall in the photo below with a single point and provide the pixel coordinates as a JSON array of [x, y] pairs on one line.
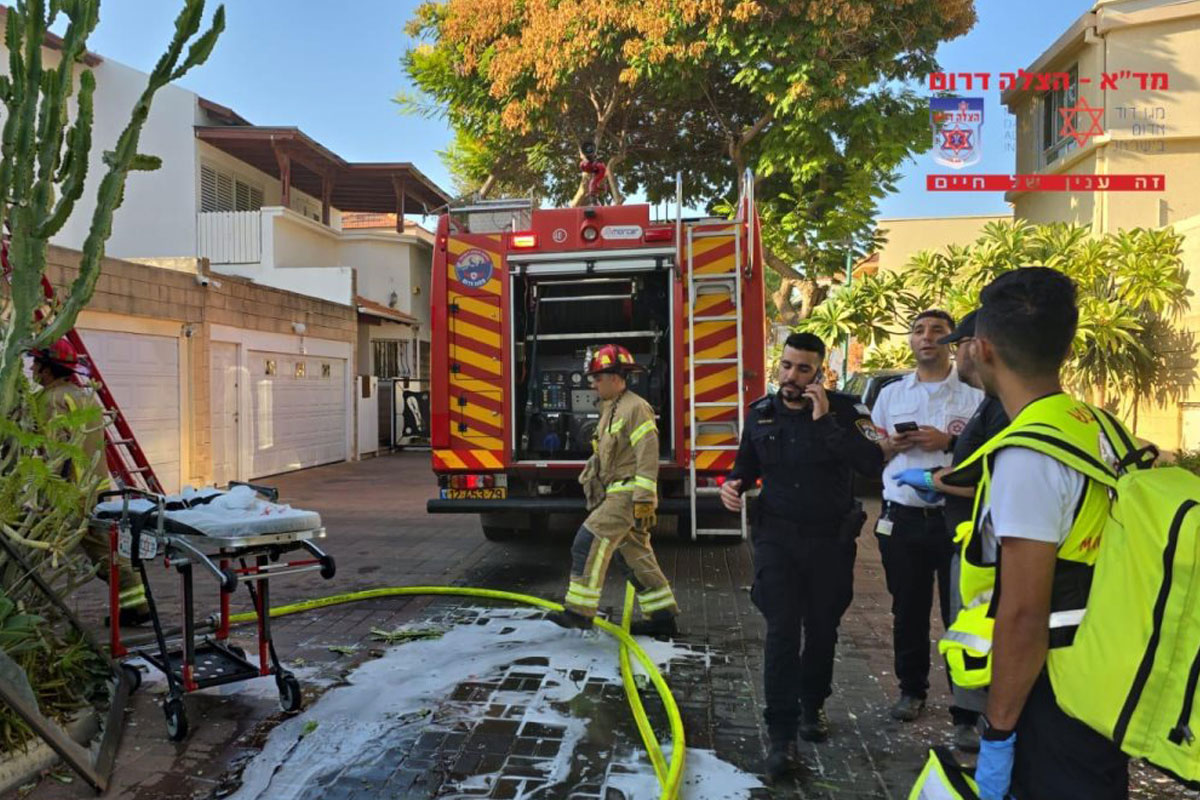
[[386, 263], [157, 218]]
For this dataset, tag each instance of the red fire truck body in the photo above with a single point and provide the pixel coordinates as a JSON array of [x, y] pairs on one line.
[[521, 295]]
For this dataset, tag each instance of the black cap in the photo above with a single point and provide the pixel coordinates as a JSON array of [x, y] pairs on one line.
[[965, 330]]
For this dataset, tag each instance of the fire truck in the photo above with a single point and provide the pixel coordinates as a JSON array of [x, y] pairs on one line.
[[520, 297]]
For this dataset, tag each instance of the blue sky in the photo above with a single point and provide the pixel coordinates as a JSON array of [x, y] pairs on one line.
[[333, 71]]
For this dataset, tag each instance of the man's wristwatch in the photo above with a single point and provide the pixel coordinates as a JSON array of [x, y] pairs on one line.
[[993, 734], [953, 443]]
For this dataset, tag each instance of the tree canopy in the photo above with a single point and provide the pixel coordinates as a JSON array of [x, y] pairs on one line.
[[1132, 292], [810, 94]]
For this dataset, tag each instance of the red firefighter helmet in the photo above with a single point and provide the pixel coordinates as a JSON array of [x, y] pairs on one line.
[[611, 358], [62, 353]]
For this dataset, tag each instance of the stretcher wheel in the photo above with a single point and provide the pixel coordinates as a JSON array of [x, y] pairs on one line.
[[328, 567], [133, 676], [177, 724], [290, 698]]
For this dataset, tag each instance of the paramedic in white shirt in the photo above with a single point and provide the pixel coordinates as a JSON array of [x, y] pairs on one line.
[[920, 416]]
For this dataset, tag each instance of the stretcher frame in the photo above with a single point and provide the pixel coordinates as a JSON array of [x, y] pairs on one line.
[[146, 537]]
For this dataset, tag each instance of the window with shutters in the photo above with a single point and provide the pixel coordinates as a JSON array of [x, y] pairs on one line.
[[221, 191]]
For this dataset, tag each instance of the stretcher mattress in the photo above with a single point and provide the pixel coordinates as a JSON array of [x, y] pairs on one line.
[[216, 513]]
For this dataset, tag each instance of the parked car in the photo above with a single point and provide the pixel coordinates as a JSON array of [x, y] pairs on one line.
[[867, 385]]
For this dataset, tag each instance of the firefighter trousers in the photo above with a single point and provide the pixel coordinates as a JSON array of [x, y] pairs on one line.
[[608, 533], [133, 593]]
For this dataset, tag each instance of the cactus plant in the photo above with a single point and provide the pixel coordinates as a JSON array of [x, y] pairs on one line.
[[44, 153], [44, 160]]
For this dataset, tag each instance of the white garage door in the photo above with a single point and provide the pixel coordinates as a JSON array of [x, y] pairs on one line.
[[298, 406], [142, 372]]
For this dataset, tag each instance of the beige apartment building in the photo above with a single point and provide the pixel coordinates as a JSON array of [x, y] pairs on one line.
[[1153, 130]]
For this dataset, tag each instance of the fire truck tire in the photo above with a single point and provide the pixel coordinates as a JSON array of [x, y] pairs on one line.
[[494, 533]]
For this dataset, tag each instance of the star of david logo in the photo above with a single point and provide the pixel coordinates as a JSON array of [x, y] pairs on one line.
[[1071, 122], [956, 140]]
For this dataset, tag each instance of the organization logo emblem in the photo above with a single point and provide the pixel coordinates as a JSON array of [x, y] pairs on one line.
[[957, 124], [473, 268]]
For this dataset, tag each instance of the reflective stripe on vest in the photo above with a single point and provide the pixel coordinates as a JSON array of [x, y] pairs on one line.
[[1069, 432]]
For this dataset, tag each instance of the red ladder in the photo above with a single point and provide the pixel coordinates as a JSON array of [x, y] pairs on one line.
[[127, 462]]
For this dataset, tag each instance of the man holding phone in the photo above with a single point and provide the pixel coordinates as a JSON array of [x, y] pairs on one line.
[[922, 415], [804, 443]]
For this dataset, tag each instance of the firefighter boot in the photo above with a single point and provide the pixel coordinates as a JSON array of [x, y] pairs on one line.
[[781, 761], [659, 623], [814, 725], [570, 620]]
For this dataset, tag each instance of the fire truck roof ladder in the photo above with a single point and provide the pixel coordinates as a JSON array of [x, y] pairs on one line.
[[728, 284], [127, 462]]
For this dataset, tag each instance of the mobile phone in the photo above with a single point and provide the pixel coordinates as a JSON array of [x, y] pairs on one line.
[[819, 378], [906, 427]]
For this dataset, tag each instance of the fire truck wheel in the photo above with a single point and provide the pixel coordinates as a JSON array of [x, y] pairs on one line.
[[494, 533]]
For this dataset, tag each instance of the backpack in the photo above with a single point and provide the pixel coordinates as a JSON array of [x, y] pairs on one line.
[[1133, 669]]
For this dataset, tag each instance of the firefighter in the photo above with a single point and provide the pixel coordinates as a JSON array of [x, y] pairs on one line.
[[56, 369], [805, 443], [620, 482]]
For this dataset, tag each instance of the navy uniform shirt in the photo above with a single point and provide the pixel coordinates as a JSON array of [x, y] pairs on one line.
[[806, 464]]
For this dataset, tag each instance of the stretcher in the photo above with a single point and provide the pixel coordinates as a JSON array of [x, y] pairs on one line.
[[238, 535]]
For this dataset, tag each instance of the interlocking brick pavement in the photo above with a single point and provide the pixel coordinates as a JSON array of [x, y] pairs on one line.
[[381, 536]]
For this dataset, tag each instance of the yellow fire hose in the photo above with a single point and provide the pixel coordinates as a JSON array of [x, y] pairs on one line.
[[669, 777]]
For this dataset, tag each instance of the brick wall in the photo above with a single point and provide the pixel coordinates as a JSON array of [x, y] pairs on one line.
[[156, 293]]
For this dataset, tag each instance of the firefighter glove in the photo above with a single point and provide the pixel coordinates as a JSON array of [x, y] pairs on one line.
[[644, 517]]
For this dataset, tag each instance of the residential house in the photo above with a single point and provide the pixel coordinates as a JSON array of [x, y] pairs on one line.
[[255, 382], [1150, 129]]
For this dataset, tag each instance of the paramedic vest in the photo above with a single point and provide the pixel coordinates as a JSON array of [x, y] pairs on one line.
[[1057, 425]]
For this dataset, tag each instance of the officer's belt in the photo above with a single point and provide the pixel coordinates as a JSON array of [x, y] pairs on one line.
[[895, 510]]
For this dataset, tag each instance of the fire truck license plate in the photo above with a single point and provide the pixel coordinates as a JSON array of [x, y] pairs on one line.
[[497, 493]]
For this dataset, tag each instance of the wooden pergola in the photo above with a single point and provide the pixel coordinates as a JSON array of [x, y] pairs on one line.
[[297, 160]]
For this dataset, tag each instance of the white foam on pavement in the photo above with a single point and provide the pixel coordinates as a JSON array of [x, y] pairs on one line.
[[411, 685]]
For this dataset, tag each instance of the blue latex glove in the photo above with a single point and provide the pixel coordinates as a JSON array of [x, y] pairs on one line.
[[921, 480], [993, 771]]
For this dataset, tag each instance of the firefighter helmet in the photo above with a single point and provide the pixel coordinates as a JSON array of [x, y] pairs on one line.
[[62, 353], [611, 358]]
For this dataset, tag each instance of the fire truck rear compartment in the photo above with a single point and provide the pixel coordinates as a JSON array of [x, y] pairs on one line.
[[558, 320]]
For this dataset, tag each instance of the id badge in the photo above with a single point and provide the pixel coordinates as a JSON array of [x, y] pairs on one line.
[[884, 526]]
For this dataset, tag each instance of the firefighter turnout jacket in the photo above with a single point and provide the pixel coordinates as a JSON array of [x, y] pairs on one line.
[[624, 458]]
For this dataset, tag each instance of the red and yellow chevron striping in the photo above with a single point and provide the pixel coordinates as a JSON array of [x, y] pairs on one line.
[[474, 282]]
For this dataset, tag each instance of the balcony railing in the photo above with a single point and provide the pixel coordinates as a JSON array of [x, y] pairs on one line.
[[229, 237]]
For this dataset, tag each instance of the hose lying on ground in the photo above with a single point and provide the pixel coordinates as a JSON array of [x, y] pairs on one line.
[[669, 777]]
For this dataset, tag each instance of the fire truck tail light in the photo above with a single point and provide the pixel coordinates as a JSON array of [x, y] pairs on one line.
[[472, 481], [524, 241], [589, 233], [659, 235]]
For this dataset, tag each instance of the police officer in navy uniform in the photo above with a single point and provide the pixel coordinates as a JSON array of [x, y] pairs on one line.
[[804, 443]]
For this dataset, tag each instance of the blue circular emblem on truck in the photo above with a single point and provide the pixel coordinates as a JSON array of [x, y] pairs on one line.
[[474, 268]]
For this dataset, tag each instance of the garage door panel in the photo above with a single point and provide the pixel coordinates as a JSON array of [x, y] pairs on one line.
[[298, 412], [142, 372]]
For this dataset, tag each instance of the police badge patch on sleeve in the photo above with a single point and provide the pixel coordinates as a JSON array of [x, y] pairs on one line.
[[868, 430]]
